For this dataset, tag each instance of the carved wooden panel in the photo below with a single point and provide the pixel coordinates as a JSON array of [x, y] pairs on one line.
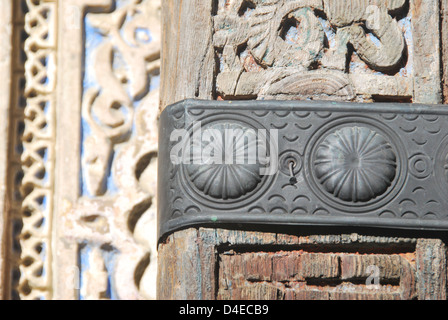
[[302, 275], [354, 50], [357, 51], [310, 49]]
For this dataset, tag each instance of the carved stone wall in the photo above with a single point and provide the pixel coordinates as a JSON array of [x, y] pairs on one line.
[[80, 163]]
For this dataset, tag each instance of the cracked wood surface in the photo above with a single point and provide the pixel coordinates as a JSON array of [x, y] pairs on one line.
[[208, 264]]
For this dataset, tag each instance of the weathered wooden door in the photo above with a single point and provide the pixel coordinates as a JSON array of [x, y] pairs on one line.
[[355, 51]]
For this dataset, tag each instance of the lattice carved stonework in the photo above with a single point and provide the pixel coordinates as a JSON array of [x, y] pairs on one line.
[[37, 158]]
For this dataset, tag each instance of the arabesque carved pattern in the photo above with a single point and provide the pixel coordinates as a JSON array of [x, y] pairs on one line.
[[117, 249], [120, 112], [121, 66]]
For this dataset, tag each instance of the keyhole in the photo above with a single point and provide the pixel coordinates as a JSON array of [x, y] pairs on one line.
[[292, 179]]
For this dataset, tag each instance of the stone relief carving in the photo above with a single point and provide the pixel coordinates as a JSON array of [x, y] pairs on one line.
[[124, 225], [121, 70], [120, 111]]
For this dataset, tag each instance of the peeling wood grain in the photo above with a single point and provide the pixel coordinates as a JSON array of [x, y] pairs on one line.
[[233, 264], [431, 266], [188, 62]]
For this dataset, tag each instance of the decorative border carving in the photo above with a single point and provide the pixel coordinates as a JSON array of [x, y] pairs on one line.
[[37, 157]]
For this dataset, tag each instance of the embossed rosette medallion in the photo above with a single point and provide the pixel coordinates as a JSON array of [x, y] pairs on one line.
[[224, 168], [222, 178], [355, 164]]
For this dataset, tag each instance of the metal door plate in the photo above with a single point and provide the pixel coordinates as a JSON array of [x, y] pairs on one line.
[[313, 163]]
